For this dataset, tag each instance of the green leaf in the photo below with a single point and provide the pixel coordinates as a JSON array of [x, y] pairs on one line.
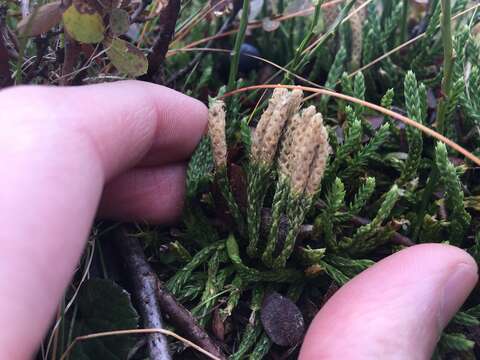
[[104, 306], [126, 57], [119, 21], [84, 23]]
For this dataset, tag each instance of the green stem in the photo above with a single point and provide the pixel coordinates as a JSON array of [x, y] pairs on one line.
[[235, 55], [446, 28]]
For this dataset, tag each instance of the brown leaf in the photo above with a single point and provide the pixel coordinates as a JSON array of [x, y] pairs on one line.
[[282, 320], [41, 20], [218, 325]]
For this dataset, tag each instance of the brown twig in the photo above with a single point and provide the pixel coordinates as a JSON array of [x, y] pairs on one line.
[[145, 286], [176, 312], [185, 322], [167, 20]]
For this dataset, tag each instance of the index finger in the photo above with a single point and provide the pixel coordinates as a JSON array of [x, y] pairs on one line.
[[58, 146]]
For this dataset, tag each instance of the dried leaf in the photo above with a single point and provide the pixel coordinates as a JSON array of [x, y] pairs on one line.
[[282, 320], [84, 23], [119, 21], [270, 25], [41, 20], [126, 57]]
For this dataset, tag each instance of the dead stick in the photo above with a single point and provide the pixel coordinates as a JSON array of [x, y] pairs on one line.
[[185, 322], [178, 315], [167, 20], [145, 286]]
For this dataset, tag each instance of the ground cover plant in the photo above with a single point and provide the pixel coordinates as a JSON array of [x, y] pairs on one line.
[[368, 144]]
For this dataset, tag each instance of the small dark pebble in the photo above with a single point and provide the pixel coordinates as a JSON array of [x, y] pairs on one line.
[[248, 63], [282, 320]]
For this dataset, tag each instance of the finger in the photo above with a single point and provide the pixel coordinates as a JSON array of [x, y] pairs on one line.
[[127, 137], [154, 195], [394, 310], [58, 147]]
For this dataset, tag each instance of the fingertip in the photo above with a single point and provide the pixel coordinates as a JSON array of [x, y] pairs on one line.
[[183, 122], [414, 292], [441, 253]]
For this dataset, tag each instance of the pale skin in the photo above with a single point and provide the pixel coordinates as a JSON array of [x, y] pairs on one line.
[[119, 151]]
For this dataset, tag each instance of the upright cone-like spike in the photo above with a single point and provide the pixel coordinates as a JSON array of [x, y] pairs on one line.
[[304, 147], [216, 131], [272, 124], [319, 163]]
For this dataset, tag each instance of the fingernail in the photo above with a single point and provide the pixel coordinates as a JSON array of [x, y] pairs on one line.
[[458, 285]]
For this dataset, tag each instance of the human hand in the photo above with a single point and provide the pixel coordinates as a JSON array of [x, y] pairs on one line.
[[60, 146]]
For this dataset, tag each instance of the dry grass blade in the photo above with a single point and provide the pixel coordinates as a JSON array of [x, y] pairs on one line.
[[135, 331], [281, 68], [426, 130]]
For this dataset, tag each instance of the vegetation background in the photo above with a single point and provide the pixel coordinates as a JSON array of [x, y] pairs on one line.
[[220, 276]]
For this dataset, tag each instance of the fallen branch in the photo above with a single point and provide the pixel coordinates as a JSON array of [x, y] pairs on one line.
[[145, 287], [185, 322], [178, 315], [167, 20]]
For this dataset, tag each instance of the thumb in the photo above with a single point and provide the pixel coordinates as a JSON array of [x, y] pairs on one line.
[[396, 309]]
